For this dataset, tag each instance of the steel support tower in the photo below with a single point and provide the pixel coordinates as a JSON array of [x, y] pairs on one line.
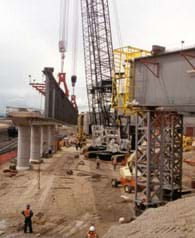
[[98, 52], [158, 158]]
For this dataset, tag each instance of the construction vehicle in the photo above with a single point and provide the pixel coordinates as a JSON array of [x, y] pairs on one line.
[[106, 143], [187, 143], [127, 175]]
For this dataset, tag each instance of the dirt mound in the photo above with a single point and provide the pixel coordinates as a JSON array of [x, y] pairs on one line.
[[176, 219]]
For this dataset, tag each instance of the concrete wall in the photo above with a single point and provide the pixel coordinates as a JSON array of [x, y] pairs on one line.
[[57, 105], [174, 87]]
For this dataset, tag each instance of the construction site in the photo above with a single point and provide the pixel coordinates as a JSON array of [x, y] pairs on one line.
[[123, 168]]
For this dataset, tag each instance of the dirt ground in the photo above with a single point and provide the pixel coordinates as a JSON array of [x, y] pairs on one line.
[[174, 220], [65, 205]]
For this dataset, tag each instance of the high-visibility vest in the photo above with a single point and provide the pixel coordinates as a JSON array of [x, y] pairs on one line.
[[91, 235], [115, 161], [27, 213]]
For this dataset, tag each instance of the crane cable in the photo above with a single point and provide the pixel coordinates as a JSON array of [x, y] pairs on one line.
[[63, 30], [75, 22], [75, 36]]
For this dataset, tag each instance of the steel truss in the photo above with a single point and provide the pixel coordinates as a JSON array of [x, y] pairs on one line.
[[98, 53], [158, 158]]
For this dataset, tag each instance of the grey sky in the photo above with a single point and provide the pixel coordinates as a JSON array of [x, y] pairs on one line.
[[29, 31]]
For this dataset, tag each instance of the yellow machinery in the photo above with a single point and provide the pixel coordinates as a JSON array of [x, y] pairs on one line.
[[187, 143], [123, 77], [127, 175]]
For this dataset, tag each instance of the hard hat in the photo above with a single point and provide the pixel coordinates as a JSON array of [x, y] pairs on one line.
[[92, 228]]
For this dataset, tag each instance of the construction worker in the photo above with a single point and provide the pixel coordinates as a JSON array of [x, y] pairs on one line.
[[92, 232], [76, 145], [27, 221], [50, 150], [97, 162], [114, 163], [123, 163]]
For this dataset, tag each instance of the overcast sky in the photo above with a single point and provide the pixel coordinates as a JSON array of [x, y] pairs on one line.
[[29, 35]]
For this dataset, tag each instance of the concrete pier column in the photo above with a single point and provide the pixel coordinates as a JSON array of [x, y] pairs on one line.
[[44, 140], [35, 145], [52, 137], [23, 154]]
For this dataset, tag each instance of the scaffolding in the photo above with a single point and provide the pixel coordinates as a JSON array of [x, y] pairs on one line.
[[158, 158], [123, 77]]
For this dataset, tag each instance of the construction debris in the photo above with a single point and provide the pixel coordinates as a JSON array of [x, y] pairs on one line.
[[69, 171]]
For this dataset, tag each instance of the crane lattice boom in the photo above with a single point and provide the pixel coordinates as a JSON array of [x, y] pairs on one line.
[[98, 52]]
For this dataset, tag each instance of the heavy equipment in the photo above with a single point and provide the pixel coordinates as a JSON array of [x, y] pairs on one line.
[[98, 52], [127, 175], [187, 143]]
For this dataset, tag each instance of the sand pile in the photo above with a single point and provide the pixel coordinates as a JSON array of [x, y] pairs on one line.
[[174, 220]]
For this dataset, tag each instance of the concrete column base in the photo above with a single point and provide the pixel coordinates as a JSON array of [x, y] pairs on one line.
[[33, 161], [20, 168]]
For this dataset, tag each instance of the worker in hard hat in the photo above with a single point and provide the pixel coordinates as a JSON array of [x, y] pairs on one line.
[[97, 162], [27, 213], [92, 232], [114, 163]]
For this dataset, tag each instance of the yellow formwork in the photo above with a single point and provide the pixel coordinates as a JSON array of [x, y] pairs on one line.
[[123, 77]]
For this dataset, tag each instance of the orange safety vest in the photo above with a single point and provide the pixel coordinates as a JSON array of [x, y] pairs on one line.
[[91, 235], [115, 161], [27, 213]]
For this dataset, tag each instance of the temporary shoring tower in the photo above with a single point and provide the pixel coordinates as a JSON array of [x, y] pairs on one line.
[[98, 52], [158, 157], [123, 78]]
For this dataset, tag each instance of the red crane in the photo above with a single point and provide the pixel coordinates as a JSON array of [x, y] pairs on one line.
[[62, 44]]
